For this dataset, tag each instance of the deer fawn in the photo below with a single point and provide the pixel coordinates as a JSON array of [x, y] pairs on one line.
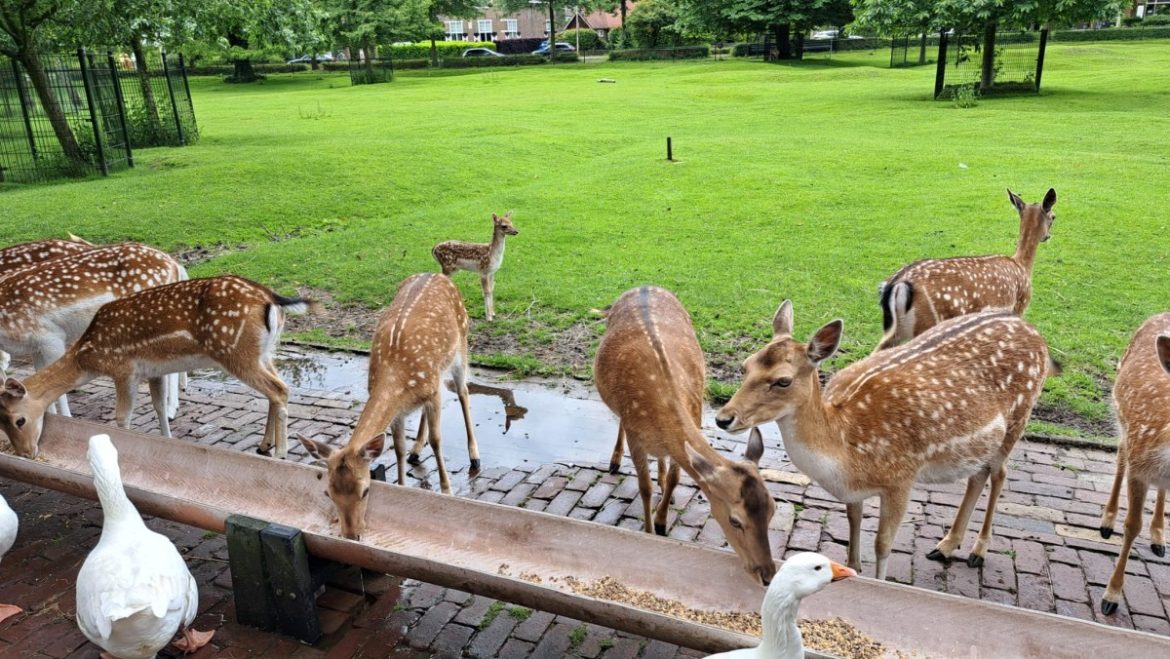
[[46, 307], [650, 372], [484, 259], [225, 322], [927, 292], [949, 405], [1143, 452], [421, 336]]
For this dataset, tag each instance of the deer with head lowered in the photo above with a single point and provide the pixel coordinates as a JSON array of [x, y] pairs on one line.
[[927, 292], [421, 336], [225, 322], [949, 405], [482, 258], [650, 371], [1140, 396], [45, 307]]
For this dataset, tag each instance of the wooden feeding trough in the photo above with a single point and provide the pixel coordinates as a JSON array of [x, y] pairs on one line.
[[483, 548]]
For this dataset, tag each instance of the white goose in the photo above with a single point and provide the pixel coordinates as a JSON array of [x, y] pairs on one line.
[[8, 527], [134, 591], [800, 576]]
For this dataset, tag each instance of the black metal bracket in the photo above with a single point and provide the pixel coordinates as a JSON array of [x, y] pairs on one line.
[[378, 473]]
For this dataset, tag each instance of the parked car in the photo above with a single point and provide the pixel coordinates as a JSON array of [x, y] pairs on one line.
[[823, 43], [308, 59], [481, 52], [562, 47]]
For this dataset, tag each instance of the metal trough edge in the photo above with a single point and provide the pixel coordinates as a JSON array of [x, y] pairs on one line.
[[463, 544]]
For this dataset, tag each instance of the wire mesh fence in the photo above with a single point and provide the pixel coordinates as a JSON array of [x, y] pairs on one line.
[[911, 50], [1014, 63], [369, 71], [83, 113]]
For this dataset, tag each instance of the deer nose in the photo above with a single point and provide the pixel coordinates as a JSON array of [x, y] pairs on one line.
[[724, 422]]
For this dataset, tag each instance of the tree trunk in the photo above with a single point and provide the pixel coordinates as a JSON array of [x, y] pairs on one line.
[[782, 33], [148, 100], [922, 47], [243, 67], [798, 46], [434, 54], [552, 32], [368, 50], [314, 64], [31, 60], [623, 6], [987, 79]]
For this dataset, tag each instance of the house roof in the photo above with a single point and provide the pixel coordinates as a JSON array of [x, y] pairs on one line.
[[600, 20]]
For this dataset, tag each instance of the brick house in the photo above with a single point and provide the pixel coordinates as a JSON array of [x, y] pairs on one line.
[[494, 25]]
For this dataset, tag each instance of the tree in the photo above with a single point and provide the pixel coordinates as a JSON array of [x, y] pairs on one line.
[[366, 23], [891, 18], [454, 8], [655, 24], [783, 18], [586, 5], [244, 30]]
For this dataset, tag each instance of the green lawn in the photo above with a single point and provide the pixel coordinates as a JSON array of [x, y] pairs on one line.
[[811, 181]]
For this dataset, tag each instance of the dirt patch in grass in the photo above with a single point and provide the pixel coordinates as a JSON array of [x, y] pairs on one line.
[[1063, 417], [193, 256]]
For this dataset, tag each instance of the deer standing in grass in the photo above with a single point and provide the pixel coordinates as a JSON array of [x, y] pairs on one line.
[[949, 405], [485, 259], [224, 322], [45, 307], [927, 292], [650, 372], [1141, 396], [420, 337]]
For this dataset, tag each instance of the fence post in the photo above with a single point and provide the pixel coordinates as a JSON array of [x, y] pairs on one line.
[[116, 79], [187, 86], [174, 105], [940, 71], [93, 118], [22, 92], [1040, 57]]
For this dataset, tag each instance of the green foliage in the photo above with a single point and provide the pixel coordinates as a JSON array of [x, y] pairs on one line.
[[1130, 21], [494, 610], [577, 636], [964, 96], [682, 52], [654, 24], [618, 39], [892, 18], [1156, 20], [588, 39], [446, 49], [520, 613], [1112, 34]]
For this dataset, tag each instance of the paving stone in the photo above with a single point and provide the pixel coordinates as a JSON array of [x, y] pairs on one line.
[[555, 642], [432, 622], [451, 641], [1034, 592], [1068, 583]]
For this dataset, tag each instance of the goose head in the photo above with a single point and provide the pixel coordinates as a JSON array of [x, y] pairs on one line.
[[806, 573]]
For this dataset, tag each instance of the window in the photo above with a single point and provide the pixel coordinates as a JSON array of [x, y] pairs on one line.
[[511, 28], [483, 30], [547, 27], [455, 31]]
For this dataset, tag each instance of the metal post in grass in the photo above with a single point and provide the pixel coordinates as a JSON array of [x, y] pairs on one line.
[[940, 71], [117, 82], [669, 150], [174, 105], [90, 92], [22, 93], [1040, 57], [187, 87]]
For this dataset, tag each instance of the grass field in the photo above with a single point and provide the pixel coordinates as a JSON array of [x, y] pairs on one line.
[[811, 181]]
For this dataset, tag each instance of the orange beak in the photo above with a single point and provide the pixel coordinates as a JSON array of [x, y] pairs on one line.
[[841, 572]]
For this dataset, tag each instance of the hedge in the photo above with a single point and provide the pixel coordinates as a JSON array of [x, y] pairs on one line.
[[259, 67], [1157, 20], [1113, 34], [589, 39], [422, 49], [682, 52], [518, 46]]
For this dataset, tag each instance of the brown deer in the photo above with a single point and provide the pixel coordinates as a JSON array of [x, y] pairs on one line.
[[485, 259], [1143, 451], [949, 405], [420, 336], [225, 322], [650, 372], [927, 292], [46, 307]]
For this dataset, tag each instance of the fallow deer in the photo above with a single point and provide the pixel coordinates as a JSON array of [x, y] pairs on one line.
[[949, 405], [650, 372], [1141, 396], [927, 292], [46, 307], [419, 338], [484, 259]]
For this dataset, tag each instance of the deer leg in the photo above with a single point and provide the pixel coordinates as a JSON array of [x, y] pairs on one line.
[[893, 510], [269, 384], [615, 460], [45, 356], [488, 283], [432, 408], [667, 484], [398, 430], [642, 467], [975, 558], [945, 547], [1133, 526], [1109, 515], [159, 390], [172, 394], [1158, 525], [125, 390], [460, 373], [420, 441], [853, 512]]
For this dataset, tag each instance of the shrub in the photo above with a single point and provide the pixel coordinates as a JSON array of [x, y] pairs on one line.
[[964, 96], [422, 49], [1157, 20], [750, 49], [588, 39], [1130, 21], [510, 60], [1114, 34], [618, 39], [517, 46], [683, 52]]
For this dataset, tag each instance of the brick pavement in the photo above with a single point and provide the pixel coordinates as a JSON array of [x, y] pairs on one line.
[[1047, 554]]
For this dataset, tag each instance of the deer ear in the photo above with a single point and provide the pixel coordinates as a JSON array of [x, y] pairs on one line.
[[1164, 351], [782, 321], [1016, 201], [319, 450], [703, 469], [824, 343], [1049, 199], [374, 446], [755, 447], [14, 389], [495, 218]]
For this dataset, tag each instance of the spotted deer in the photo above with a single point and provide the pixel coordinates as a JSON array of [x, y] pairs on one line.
[[419, 338], [222, 322], [485, 259], [46, 307], [927, 292], [1141, 396], [650, 371], [949, 405]]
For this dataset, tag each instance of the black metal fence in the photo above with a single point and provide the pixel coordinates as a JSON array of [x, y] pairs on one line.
[[910, 50], [369, 71], [1015, 64], [86, 112]]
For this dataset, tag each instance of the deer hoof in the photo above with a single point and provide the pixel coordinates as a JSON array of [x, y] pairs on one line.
[[475, 466], [1159, 550], [660, 529], [1108, 608], [413, 459], [1106, 532], [614, 467], [936, 555], [265, 452], [974, 560]]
